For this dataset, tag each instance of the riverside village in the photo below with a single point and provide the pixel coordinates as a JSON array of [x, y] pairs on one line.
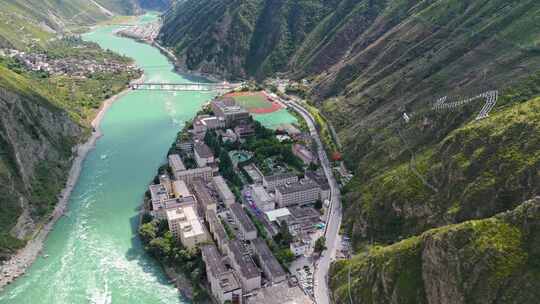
[[240, 204]]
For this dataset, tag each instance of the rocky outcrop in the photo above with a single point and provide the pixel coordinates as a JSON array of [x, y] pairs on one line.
[[36, 151], [487, 261]]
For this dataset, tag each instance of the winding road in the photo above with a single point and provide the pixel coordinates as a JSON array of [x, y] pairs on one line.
[[333, 221]]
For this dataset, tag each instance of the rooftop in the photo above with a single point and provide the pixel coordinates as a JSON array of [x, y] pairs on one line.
[[242, 217], [158, 192], [267, 258], [213, 259], [248, 269], [202, 192], [301, 212], [214, 221], [223, 188], [190, 225], [175, 162], [203, 150], [297, 187], [229, 282], [319, 179], [261, 193], [273, 215], [279, 176], [180, 187]]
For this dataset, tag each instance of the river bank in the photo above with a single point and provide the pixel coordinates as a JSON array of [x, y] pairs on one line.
[[19, 262]]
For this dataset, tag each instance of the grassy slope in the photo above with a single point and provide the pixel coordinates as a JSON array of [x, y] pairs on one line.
[[479, 168], [492, 260]]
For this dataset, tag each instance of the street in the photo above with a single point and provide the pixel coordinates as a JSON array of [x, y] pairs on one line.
[[333, 220]]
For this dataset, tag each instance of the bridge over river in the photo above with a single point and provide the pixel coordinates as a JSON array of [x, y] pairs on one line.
[[191, 86]]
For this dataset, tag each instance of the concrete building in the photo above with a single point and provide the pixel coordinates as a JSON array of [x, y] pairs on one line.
[[254, 173], [176, 164], [267, 261], [302, 220], [165, 180], [205, 200], [158, 194], [249, 274], [203, 154], [185, 226], [244, 130], [299, 248], [186, 147], [223, 190], [299, 193], [270, 182], [218, 231], [203, 123], [319, 178], [224, 283], [227, 110], [204, 173], [245, 225], [262, 199], [180, 189]]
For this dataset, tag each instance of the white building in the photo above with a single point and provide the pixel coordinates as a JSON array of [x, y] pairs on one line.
[[272, 181], [224, 283], [180, 189], [188, 176], [223, 190], [176, 164], [203, 154], [299, 248], [300, 193], [186, 226], [262, 199]]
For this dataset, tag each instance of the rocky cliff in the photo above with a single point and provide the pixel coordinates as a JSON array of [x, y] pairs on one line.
[[36, 140], [494, 260]]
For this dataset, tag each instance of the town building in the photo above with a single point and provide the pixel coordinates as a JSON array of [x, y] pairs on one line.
[[254, 173], [203, 154], [224, 283], [227, 110], [270, 182], [185, 226], [299, 193], [241, 261], [244, 130], [158, 194], [299, 248], [203, 123], [227, 135], [205, 200], [245, 225], [304, 154], [269, 264], [180, 189], [176, 164], [223, 190], [217, 230], [319, 178], [165, 180], [262, 199], [302, 220], [186, 147], [204, 173]]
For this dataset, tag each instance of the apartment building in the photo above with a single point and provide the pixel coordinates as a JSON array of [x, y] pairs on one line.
[[299, 193], [249, 274], [227, 110], [269, 264], [223, 190], [217, 230], [245, 225], [204, 173], [270, 182], [262, 199], [186, 226], [203, 154], [224, 283], [205, 200], [176, 164]]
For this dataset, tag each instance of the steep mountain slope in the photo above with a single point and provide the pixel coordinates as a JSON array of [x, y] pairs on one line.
[[240, 38], [493, 260], [36, 138]]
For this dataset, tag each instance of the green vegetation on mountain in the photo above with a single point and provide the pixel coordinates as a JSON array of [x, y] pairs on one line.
[[493, 260], [369, 61], [43, 116]]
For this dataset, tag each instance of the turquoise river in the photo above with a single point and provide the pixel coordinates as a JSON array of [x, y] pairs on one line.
[[94, 255]]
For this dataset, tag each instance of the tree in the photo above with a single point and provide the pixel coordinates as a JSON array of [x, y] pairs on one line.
[[284, 234], [148, 232], [320, 244], [318, 204]]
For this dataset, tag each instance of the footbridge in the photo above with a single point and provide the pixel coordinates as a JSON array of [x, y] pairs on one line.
[[191, 86]]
